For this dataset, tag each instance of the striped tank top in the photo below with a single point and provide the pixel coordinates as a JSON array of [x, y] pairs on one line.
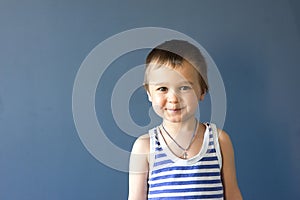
[[198, 177]]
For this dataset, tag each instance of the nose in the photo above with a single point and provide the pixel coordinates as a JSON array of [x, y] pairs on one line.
[[173, 97]]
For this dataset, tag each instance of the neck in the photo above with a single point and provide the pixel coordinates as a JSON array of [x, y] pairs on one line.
[[177, 127]]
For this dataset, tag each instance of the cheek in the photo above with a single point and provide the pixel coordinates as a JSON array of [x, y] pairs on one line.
[[193, 96], [193, 101], [158, 101], [158, 105]]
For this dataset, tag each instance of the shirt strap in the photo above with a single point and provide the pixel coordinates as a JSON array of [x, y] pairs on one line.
[[216, 135], [152, 134]]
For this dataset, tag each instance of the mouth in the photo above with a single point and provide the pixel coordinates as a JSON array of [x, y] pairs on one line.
[[174, 109]]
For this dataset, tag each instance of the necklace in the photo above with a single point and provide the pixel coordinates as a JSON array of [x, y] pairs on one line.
[[185, 155]]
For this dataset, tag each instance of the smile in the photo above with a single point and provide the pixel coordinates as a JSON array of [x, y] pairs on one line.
[[173, 109]]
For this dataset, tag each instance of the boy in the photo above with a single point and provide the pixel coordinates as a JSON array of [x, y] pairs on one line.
[[181, 158]]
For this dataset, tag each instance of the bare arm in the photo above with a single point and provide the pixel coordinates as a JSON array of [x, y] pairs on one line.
[[138, 169], [231, 188]]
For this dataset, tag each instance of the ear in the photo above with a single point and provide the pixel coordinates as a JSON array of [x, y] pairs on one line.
[[201, 97], [149, 96]]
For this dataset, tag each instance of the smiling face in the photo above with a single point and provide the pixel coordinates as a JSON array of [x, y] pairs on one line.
[[174, 92]]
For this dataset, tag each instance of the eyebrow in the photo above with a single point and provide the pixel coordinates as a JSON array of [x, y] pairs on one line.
[[165, 83]]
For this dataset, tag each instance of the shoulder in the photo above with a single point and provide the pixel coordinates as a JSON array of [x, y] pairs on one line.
[[225, 143], [139, 157], [232, 190], [142, 144], [139, 168], [224, 138]]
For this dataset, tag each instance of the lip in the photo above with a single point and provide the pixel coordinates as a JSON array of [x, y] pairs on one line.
[[174, 109]]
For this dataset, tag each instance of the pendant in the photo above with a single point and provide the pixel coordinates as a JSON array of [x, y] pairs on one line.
[[185, 155]]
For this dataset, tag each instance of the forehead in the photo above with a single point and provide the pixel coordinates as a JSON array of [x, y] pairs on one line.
[[168, 74]]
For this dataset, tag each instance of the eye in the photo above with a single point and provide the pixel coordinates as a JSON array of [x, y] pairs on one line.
[[162, 89], [183, 88]]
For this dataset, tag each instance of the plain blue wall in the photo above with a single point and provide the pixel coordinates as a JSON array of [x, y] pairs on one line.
[[255, 45]]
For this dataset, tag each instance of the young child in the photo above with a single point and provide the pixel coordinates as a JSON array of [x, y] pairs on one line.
[[182, 158]]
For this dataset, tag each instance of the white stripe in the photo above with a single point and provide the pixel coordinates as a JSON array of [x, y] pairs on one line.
[[183, 172], [185, 179]]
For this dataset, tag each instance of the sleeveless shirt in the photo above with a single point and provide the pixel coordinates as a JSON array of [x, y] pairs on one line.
[[198, 177]]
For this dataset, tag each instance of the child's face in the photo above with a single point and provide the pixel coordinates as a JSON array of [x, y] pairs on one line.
[[174, 93]]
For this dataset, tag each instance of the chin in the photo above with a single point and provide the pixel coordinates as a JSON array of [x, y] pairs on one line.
[[179, 119], [174, 119]]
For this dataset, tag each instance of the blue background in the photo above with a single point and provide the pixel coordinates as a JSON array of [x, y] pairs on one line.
[[255, 45]]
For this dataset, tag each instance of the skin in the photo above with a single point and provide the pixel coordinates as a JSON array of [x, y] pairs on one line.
[[175, 94]]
